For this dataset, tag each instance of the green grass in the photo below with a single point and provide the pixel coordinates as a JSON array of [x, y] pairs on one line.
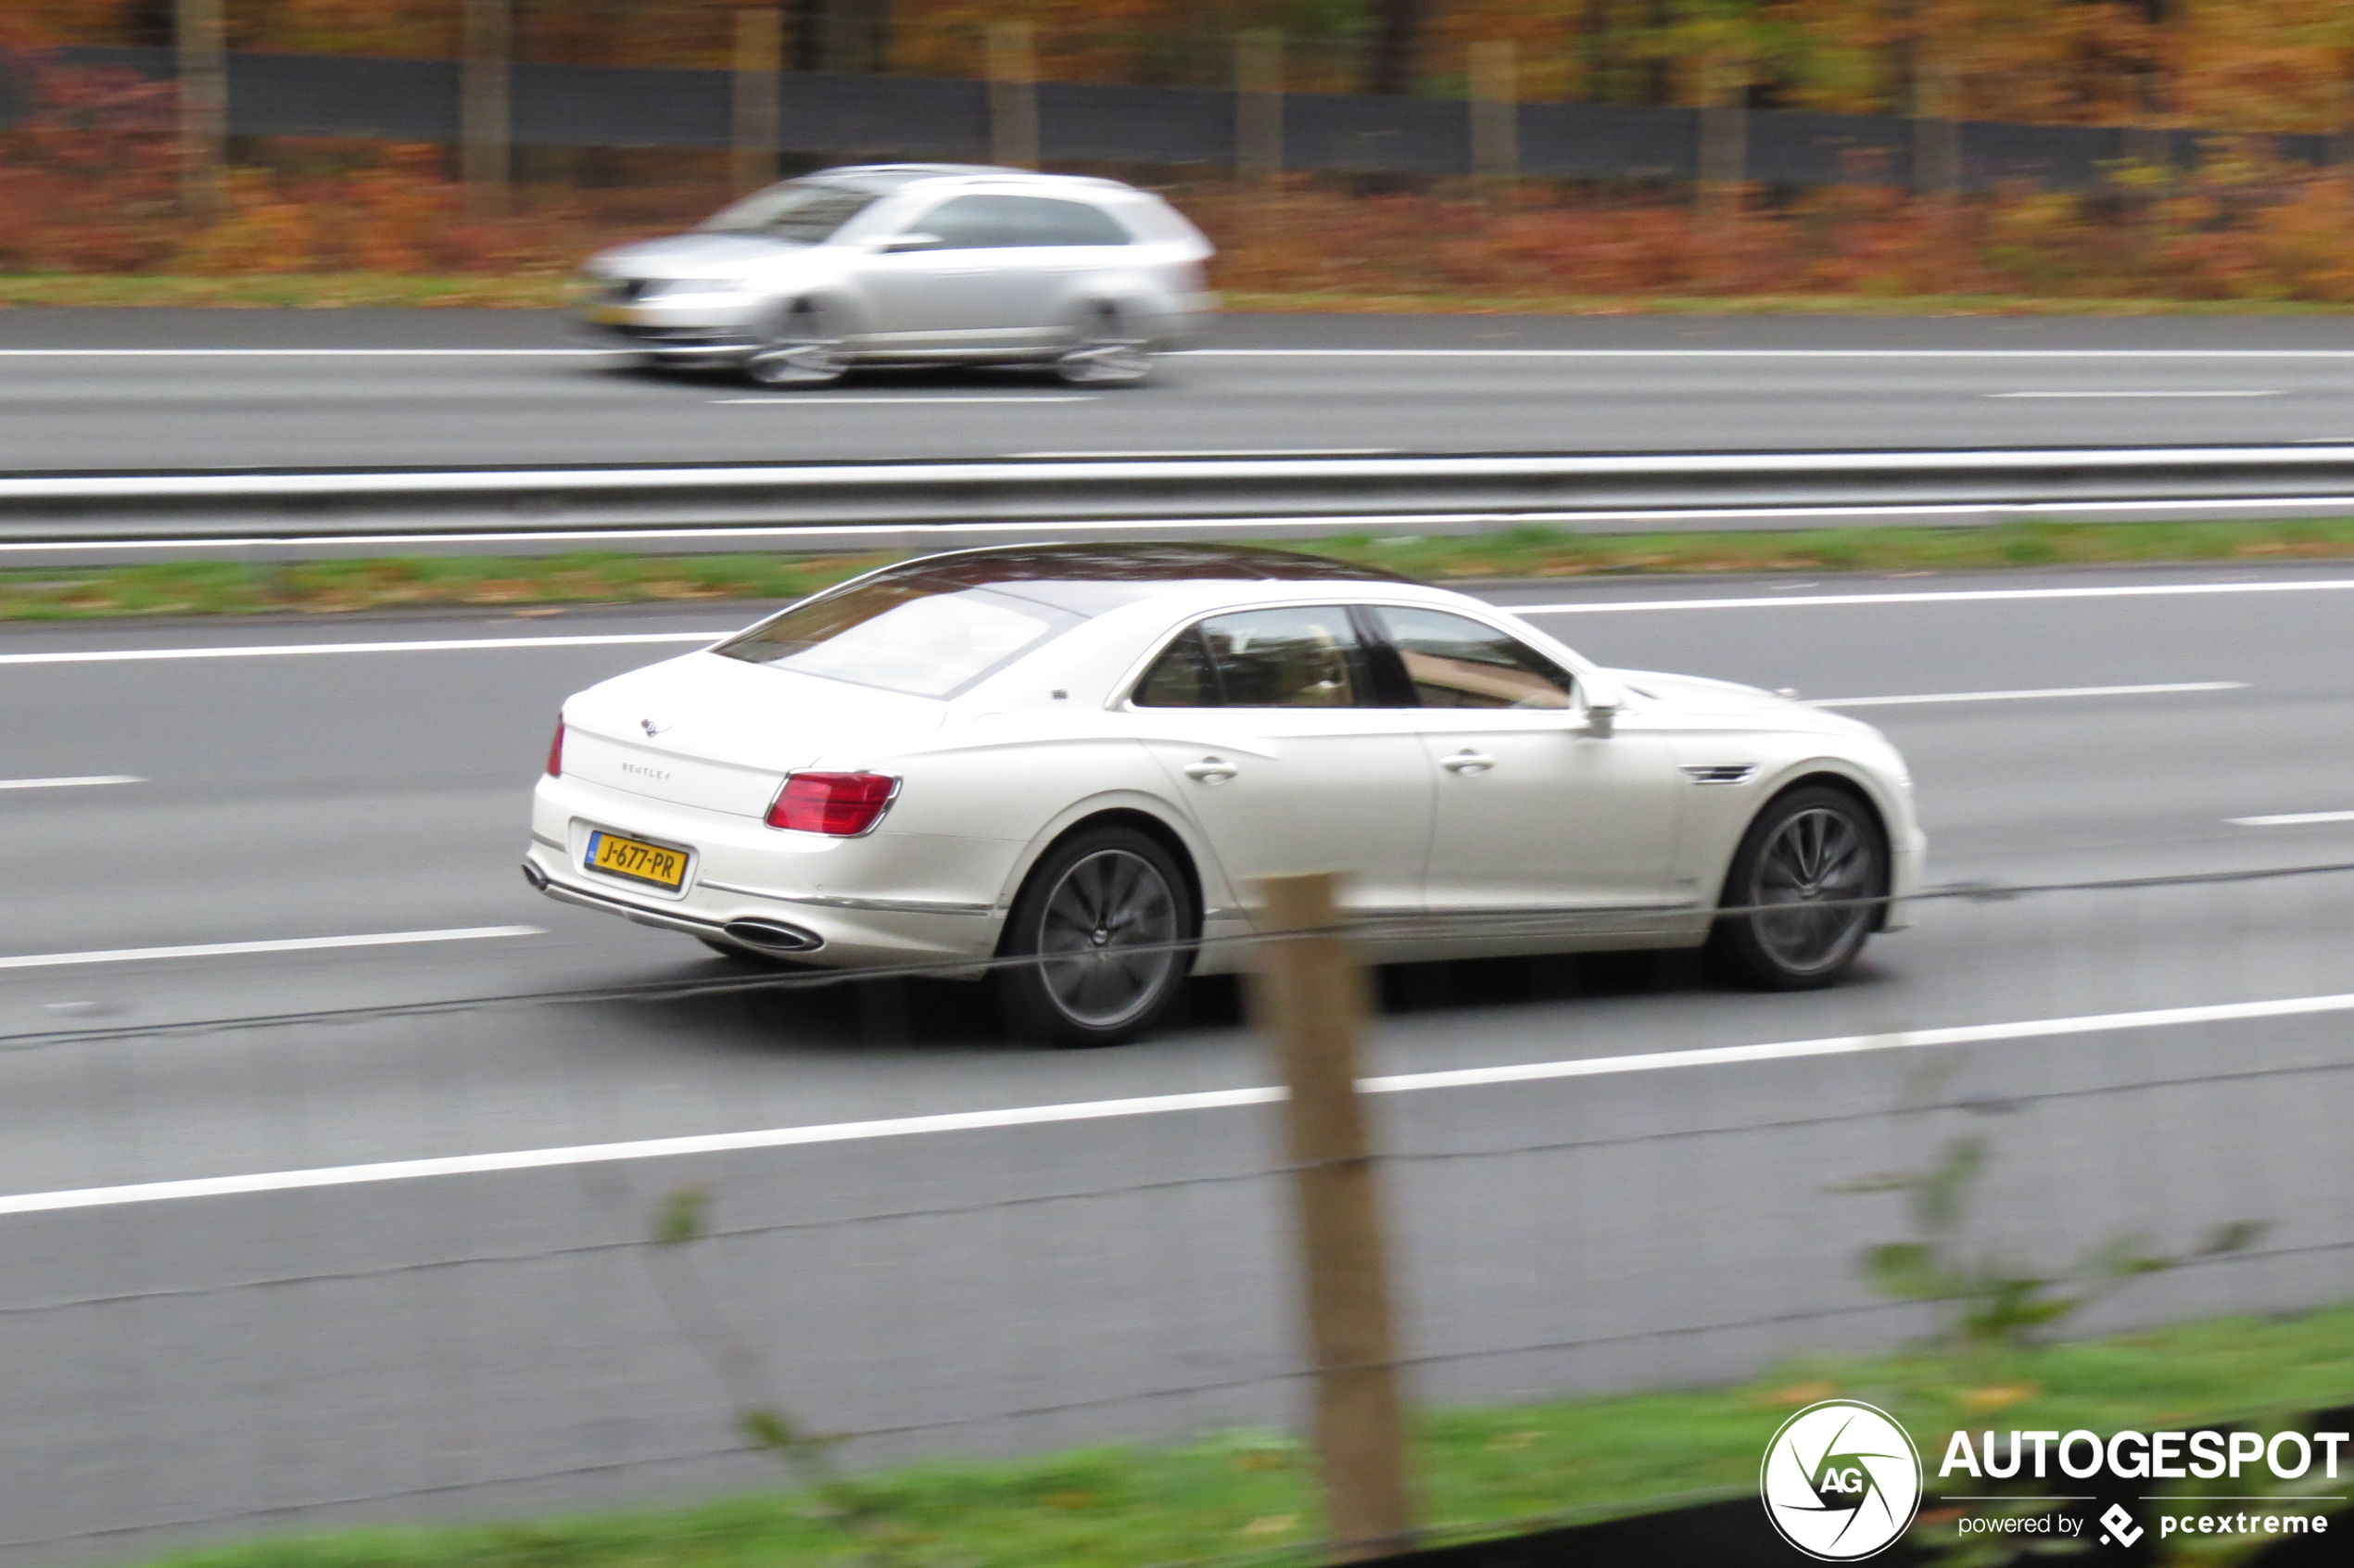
[[1239, 1496], [548, 583], [1442, 304], [547, 291], [328, 291]]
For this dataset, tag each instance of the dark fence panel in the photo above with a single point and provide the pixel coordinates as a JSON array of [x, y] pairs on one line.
[[1829, 149], [913, 117], [1375, 136], [1609, 141], [880, 117], [1150, 124]]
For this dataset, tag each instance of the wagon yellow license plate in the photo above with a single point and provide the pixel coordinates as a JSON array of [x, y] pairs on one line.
[[617, 856]]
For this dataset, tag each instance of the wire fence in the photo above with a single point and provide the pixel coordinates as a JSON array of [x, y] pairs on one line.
[[537, 1252]]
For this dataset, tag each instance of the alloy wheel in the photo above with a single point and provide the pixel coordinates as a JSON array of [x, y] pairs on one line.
[[1106, 935], [802, 353], [1812, 877]]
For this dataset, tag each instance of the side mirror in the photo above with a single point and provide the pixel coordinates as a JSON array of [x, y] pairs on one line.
[[1602, 720], [910, 242]]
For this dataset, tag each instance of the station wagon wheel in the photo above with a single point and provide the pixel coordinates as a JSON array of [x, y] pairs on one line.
[[1099, 913], [1808, 868], [804, 350], [1106, 352]]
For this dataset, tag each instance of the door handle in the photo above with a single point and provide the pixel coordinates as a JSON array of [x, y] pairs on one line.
[[1468, 762], [1211, 770]]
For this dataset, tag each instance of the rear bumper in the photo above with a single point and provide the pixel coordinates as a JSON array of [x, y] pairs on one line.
[[881, 900]]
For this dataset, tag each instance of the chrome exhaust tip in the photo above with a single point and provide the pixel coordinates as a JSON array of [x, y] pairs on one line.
[[535, 876], [772, 936]]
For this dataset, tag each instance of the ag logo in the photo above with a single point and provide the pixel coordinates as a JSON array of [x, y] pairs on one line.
[[1841, 1481]]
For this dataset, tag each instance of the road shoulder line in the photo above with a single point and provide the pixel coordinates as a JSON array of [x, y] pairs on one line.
[[1095, 1111]]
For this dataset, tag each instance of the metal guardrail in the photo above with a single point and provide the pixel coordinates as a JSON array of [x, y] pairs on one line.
[[62, 519]]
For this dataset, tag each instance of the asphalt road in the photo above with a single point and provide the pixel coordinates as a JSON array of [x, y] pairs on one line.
[[202, 389], [159, 1387]]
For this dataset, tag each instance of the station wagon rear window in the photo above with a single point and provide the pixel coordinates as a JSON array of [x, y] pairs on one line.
[[905, 635]]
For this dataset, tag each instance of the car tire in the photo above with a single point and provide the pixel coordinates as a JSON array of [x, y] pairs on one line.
[[802, 349], [1099, 891], [1820, 850], [1105, 350]]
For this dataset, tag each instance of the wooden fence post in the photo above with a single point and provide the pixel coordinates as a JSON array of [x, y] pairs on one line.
[[1259, 105], [1937, 150], [1495, 112], [1310, 996], [757, 105], [201, 63], [485, 130], [1723, 150], [1013, 95]]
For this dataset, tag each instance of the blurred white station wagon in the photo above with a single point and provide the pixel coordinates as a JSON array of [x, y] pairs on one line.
[[912, 263]]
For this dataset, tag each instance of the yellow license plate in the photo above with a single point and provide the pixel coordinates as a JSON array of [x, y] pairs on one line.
[[612, 315], [617, 856]]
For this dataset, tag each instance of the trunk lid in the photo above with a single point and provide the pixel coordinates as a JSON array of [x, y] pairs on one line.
[[717, 733]]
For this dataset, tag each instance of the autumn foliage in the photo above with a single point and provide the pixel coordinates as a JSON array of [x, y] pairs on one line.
[[88, 180]]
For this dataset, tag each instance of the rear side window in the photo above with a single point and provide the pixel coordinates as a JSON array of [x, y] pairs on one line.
[[986, 223], [1455, 662], [906, 636], [1044, 221], [1262, 659]]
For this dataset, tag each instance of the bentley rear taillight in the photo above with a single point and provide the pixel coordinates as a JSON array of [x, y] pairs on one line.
[[556, 753], [842, 806]]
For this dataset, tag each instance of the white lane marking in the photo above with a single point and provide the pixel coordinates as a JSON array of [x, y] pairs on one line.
[[287, 944], [2153, 394], [85, 781], [2291, 819], [297, 353], [889, 402], [1769, 353], [2027, 695], [1280, 353], [1226, 452], [1157, 1105], [1965, 596], [116, 656]]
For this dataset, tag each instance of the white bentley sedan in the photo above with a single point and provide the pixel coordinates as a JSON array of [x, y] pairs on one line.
[[1087, 754]]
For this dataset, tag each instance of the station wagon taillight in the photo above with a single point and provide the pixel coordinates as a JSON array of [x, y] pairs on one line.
[[840, 805], [556, 753]]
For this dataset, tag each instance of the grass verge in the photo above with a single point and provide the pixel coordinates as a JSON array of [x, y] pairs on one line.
[[552, 582], [345, 290], [1244, 1494]]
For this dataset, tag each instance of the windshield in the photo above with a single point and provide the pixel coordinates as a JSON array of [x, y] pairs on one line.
[[798, 210], [906, 635]]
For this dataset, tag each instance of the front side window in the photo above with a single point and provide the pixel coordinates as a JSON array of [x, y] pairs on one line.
[[803, 211], [1455, 662], [1262, 659], [970, 222], [1181, 677], [902, 636]]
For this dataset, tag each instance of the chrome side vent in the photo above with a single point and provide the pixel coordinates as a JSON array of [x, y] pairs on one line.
[[1719, 773]]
